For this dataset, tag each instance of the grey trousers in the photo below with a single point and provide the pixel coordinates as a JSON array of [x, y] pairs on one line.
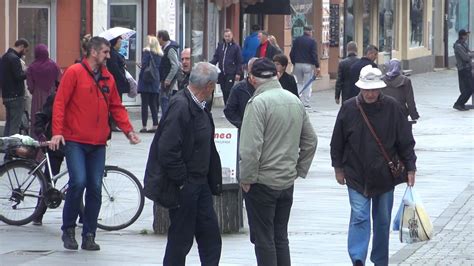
[[303, 73], [14, 111]]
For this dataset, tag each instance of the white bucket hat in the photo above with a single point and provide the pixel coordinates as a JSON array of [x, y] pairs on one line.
[[370, 78]]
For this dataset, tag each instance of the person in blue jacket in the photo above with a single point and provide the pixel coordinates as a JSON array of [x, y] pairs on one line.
[[251, 43]]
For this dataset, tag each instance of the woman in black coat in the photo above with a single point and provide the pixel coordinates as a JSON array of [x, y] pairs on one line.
[[116, 66], [287, 81]]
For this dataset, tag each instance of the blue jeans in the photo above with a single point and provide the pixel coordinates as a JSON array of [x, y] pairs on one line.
[[359, 227], [164, 99], [85, 164]]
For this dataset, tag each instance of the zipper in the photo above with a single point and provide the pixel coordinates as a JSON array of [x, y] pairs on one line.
[[223, 60]]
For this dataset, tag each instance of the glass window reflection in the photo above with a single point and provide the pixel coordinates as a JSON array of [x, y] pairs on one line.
[[417, 14]]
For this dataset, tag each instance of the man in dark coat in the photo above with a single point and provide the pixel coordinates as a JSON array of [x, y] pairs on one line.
[[184, 170], [185, 69], [358, 162], [266, 49], [168, 68], [464, 65], [13, 86], [239, 96], [371, 53], [343, 84], [304, 57], [229, 58]]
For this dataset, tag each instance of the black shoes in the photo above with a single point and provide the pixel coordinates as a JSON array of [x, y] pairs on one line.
[[69, 239], [460, 107], [88, 242]]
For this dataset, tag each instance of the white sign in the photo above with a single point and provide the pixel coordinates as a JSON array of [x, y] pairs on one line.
[[226, 144]]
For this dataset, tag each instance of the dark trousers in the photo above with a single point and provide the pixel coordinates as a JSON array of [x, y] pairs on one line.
[[227, 82], [149, 100], [14, 109], [195, 218], [466, 86], [268, 212]]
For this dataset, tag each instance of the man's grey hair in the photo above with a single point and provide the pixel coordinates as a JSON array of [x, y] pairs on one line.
[[203, 73], [250, 63], [352, 47], [371, 49]]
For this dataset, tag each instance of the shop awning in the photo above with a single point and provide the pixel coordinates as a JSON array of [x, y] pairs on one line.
[[271, 7]]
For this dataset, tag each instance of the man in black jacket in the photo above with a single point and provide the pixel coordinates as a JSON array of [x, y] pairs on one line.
[[229, 58], [239, 96], [184, 170], [13, 86], [371, 53], [343, 84], [464, 65], [168, 68], [304, 57], [358, 162], [266, 49]]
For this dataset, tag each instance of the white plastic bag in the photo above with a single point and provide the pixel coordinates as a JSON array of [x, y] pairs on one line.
[[133, 85], [415, 223]]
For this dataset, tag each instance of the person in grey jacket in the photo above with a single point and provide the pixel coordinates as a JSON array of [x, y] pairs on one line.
[[399, 87], [277, 145], [464, 65], [343, 83]]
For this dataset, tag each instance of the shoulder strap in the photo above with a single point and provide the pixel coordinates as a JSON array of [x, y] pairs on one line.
[[367, 122], [96, 83], [152, 60]]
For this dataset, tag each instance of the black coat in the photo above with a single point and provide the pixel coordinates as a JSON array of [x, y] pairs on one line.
[[288, 83], [343, 82], [354, 148], [229, 57], [238, 98], [355, 73], [304, 50], [12, 76], [400, 88], [166, 172], [271, 51], [116, 66]]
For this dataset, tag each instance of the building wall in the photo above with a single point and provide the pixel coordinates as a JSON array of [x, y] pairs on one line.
[[69, 31]]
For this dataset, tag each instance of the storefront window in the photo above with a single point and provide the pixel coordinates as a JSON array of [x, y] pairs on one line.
[[126, 16], [198, 13], [349, 25], [458, 18], [386, 17], [417, 14], [366, 24], [301, 16], [33, 25]]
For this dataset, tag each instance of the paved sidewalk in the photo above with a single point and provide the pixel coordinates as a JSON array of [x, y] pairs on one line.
[[320, 212], [453, 243]]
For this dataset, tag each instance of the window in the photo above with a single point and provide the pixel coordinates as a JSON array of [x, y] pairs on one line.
[[302, 15], [386, 23], [417, 15], [33, 25], [458, 18]]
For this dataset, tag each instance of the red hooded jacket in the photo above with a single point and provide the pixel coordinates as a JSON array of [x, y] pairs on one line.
[[81, 113]]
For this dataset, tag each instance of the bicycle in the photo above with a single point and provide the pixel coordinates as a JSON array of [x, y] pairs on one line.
[[23, 186]]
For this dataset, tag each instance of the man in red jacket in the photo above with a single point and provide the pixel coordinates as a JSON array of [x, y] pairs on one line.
[[85, 98]]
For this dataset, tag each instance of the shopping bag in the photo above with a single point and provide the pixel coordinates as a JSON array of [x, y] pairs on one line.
[[133, 85], [415, 224]]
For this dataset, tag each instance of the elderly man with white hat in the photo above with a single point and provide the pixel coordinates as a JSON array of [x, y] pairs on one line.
[[372, 151]]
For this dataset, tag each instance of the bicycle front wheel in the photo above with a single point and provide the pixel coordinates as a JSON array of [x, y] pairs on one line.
[[122, 199], [20, 192]]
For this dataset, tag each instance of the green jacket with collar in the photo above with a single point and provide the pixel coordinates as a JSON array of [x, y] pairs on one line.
[[277, 141]]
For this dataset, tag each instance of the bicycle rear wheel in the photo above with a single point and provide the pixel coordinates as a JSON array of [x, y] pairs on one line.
[[20, 192], [122, 199]]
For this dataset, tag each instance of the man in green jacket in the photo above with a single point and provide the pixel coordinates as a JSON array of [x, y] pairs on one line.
[[277, 145]]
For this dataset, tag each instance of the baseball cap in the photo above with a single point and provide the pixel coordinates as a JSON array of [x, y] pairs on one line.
[[463, 32], [263, 68]]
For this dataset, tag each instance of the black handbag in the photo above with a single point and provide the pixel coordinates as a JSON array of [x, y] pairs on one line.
[[396, 166], [149, 73]]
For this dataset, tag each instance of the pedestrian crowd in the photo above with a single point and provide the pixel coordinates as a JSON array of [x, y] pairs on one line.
[[77, 109]]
